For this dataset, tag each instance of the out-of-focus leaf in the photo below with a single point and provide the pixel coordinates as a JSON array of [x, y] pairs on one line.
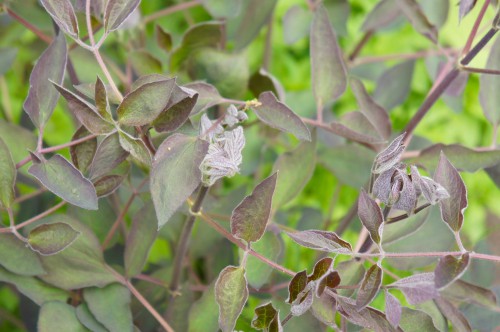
[[393, 309], [320, 268], [370, 215], [163, 38], [339, 12], [101, 100], [399, 230], [394, 85], [413, 12], [88, 90], [7, 57], [450, 269], [88, 320], [328, 70], [109, 154], [367, 317], [267, 318], [356, 127], [175, 173], [223, 8], [262, 81], [140, 238], [369, 287], [17, 258], [111, 306], [295, 170], [435, 11], [456, 318], [144, 63], [231, 294], [466, 292], [324, 309], [297, 285], [42, 98], [321, 240], [351, 273], [416, 321], [58, 316], [277, 115], [49, 239], [117, 11], [64, 180], [489, 85], [136, 147], [7, 176], [63, 14], [296, 24], [452, 209], [208, 95], [83, 153], [242, 29], [417, 288], [383, 14], [86, 113], [18, 139], [175, 115], [249, 219], [144, 104], [465, 7], [203, 315]]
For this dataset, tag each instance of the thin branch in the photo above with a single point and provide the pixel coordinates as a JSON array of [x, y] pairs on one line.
[[170, 10], [480, 70], [23, 198], [401, 56], [30, 27], [286, 319], [39, 216], [475, 28], [459, 242], [357, 49]]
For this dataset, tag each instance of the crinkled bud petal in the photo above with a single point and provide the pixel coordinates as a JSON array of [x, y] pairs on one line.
[[407, 197], [390, 156], [430, 189]]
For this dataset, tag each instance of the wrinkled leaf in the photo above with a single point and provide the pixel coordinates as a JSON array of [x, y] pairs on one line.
[[58, 316], [450, 269], [297, 285], [136, 147], [296, 24], [83, 153], [49, 239], [412, 10], [7, 176], [63, 14], [117, 11], [489, 85], [369, 287], [370, 215], [393, 86], [321, 240], [231, 294], [393, 309], [456, 318], [390, 156], [17, 258]]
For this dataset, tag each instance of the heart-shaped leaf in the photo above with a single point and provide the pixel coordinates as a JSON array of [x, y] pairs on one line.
[[49, 239]]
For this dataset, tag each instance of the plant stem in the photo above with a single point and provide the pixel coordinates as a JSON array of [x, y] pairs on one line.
[[30, 27], [13, 226], [404, 216], [481, 70], [459, 242], [475, 28], [23, 198], [35, 218], [286, 319], [170, 10], [401, 56], [360, 45]]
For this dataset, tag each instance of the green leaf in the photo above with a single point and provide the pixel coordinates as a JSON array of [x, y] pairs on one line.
[[489, 85], [177, 111], [382, 15], [262, 81], [144, 104], [320, 268], [64, 180], [140, 238], [249, 219], [17, 258], [450, 269], [88, 320], [144, 63], [369, 287], [110, 305], [297, 285], [452, 208], [18, 139], [117, 11], [203, 315], [436, 12], [277, 115], [108, 183], [370, 215], [328, 70], [50, 239], [321, 240], [83, 153], [163, 38], [231, 294], [42, 98], [223, 8], [416, 321], [87, 114], [101, 100], [351, 273], [109, 155], [295, 170], [412, 10], [296, 24], [393, 86], [7, 176], [267, 318], [324, 309], [175, 173], [7, 57], [136, 147], [58, 316], [63, 14], [463, 291]]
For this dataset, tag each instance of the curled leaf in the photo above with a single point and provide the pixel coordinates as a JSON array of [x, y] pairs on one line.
[[371, 216], [369, 287], [321, 240], [390, 156]]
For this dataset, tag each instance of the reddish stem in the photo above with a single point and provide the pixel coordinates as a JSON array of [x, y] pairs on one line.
[[475, 28]]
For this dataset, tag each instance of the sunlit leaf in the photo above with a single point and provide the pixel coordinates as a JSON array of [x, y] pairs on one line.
[[117, 11], [489, 85], [266, 318], [369, 286], [223, 8], [393, 309], [450, 269], [136, 147], [49, 239], [17, 258], [456, 318], [64, 180], [370, 215], [321, 240], [328, 70], [231, 294], [83, 153], [42, 97], [58, 316], [297, 285], [296, 24], [417, 288], [393, 86], [7, 176], [412, 10], [63, 14]]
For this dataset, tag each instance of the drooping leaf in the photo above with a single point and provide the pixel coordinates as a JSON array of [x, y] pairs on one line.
[[321, 240], [416, 321], [83, 153], [231, 294], [64, 180], [58, 316], [450, 269], [369, 287], [258, 273], [174, 116], [393, 309], [295, 170], [101, 100], [324, 309], [296, 24], [117, 11], [223, 8], [455, 316], [204, 314], [111, 306], [208, 95], [413, 12], [136, 147], [86, 113], [63, 14], [17, 258], [417, 288], [383, 14], [266, 317], [489, 85], [452, 209], [7, 57], [163, 38], [297, 285], [328, 70], [465, 7], [18, 139], [140, 238], [109, 154], [370, 215], [175, 173], [49, 239], [394, 85], [249, 219], [88, 319], [277, 115], [42, 98], [463, 291], [7, 176]]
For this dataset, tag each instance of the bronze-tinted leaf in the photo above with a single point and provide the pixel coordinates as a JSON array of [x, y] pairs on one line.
[[107, 184], [117, 11], [163, 38], [7, 176], [262, 81], [320, 268], [370, 215], [179, 107], [450, 269], [329, 280], [249, 219], [136, 147], [265, 316], [321, 240], [412, 10], [101, 100], [63, 14], [393, 309], [296, 286], [49, 239], [455, 316], [109, 154], [208, 96], [369, 287], [83, 153], [231, 294]]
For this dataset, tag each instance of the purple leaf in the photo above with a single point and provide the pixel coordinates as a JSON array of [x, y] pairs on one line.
[[321, 240], [107, 184], [101, 100], [231, 294], [465, 7], [277, 115], [297, 285], [390, 156], [452, 208], [83, 153], [430, 189], [136, 147], [324, 308], [296, 24], [393, 86], [267, 318], [450, 269], [367, 317], [356, 127], [330, 280], [412, 10], [406, 192], [417, 288], [208, 96], [50, 239], [262, 81], [328, 70], [7, 176], [175, 173], [371, 216], [369, 287], [64, 180], [42, 98], [489, 85], [383, 14], [303, 302], [463, 291], [174, 116], [249, 219], [109, 154], [393, 309], [117, 11], [320, 268], [456, 318], [63, 14]]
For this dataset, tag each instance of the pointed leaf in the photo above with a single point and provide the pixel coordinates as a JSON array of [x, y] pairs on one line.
[[58, 316], [330, 280], [297, 285], [42, 98], [324, 308], [463, 291], [136, 147], [83, 153], [489, 85], [64, 180], [163, 38], [101, 100], [249, 219], [320, 268], [417, 288], [370, 215], [450, 269], [264, 316], [63, 14], [50, 239], [175, 173], [456, 318], [465, 7], [452, 208], [382, 15], [394, 85], [174, 116], [328, 70], [277, 115], [412, 10], [117, 11], [17, 258], [393, 309], [208, 96], [356, 127], [109, 154], [369, 287], [231, 294], [321, 240], [7, 176]]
